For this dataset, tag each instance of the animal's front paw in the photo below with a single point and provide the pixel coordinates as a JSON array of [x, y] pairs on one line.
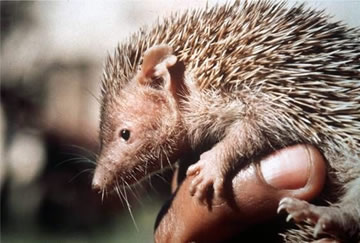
[[208, 178], [326, 220]]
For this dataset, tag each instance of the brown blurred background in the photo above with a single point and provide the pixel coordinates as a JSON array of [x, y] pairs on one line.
[[52, 54]]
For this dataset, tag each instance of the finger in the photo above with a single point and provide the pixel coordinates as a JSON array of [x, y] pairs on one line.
[[296, 171], [193, 170]]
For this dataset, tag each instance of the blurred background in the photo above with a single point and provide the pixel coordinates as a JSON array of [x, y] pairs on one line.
[[52, 54]]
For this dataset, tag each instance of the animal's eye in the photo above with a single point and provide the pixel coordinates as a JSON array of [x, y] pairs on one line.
[[125, 134]]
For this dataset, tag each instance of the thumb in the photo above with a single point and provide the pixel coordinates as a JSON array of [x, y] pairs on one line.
[[298, 171]]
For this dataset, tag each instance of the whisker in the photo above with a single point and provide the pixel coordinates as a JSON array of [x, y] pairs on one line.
[[118, 191], [133, 193], [87, 151], [80, 173], [79, 160], [168, 160], [159, 175], [130, 212], [161, 162], [102, 195], [153, 189]]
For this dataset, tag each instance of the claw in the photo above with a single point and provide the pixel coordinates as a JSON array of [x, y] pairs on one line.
[[280, 208], [324, 219], [282, 201], [283, 204]]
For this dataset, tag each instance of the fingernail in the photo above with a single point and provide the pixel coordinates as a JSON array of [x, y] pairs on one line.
[[288, 168]]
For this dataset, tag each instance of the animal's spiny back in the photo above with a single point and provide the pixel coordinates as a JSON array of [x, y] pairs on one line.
[[304, 64]]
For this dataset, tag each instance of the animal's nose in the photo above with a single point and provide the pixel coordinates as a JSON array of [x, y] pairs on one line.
[[96, 184], [98, 181]]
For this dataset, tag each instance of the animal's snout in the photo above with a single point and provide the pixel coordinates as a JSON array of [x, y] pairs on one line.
[[99, 182]]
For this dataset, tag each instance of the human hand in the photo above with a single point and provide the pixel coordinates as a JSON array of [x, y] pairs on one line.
[[297, 171]]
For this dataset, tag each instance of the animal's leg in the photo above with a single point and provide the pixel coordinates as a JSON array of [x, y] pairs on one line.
[[341, 220], [214, 165]]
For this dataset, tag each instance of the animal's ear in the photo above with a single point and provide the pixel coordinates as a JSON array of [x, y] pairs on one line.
[[155, 69]]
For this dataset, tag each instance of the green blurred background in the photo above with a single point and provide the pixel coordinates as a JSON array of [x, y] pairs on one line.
[[52, 54]]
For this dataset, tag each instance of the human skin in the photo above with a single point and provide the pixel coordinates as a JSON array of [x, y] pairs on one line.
[[298, 171]]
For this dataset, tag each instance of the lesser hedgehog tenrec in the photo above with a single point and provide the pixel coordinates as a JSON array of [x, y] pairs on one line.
[[243, 79]]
